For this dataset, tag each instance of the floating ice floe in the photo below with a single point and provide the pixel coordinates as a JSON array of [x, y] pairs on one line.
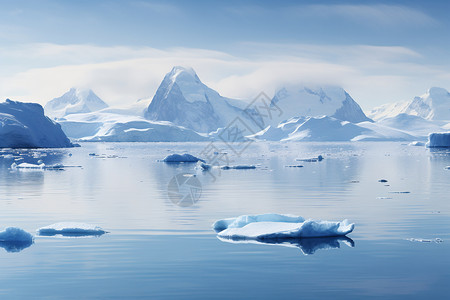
[[14, 239], [438, 140], [436, 240], [315, 159], [41, 166], [182, 158], [294, 166], [276, 226], [416, 143], [27, 166], [238, 167], [71, 229]]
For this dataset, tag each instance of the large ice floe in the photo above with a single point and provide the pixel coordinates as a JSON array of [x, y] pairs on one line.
[[438, 140], [276, 226], [14, 239], [71, 229]]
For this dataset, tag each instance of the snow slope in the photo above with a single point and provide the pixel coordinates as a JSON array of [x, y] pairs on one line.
[[24, 125], [113, 127], [185, 101], [325, 128], [302, 101], [433, 105], [75, 101]]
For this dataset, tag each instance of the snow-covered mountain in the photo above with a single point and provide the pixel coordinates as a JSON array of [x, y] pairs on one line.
[[301, 101], [433, 105], [185, 101], [24, 125], [329, 129], [75, 101]]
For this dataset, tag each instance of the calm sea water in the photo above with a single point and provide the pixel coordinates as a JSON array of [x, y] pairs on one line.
[[156, 249]]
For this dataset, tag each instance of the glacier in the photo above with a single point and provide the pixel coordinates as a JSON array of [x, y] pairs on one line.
[[24, 125], [278, 226]]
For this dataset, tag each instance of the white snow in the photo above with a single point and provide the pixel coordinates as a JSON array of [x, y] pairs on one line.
[[325, 129], [70, 229], [24, 125], [178, 158], [436, 140], [75, 101], [272, 226]]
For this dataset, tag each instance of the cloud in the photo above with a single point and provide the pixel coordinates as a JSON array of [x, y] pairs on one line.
[[379, 14], [121, 75]]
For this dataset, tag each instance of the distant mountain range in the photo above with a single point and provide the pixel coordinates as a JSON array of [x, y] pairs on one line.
[[183, 108]]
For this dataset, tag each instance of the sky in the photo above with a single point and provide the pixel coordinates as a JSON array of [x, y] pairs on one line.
[[378, 51]]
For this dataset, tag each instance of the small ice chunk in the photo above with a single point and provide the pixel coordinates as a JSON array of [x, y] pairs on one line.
[[179, 158], [71, 229], [238, 167], [14, 239], [382, 180], [203, 166], [417, 143], [447, 168], [315, 159], [270, 226]]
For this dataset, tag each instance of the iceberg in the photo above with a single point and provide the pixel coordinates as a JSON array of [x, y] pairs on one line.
[[439, 140], [14, 239], [182, 158], [71, 229], [24, 125], [276, 226], [308, 246]]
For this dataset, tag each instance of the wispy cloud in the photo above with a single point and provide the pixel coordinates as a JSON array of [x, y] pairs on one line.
[[379, 14], [372, 74]]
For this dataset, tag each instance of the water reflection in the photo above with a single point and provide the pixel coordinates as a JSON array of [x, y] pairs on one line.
[[308, 246], [15, 246]]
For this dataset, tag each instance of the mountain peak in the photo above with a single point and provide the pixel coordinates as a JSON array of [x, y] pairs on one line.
[[437, 91], [180, 73], [74, 101]]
